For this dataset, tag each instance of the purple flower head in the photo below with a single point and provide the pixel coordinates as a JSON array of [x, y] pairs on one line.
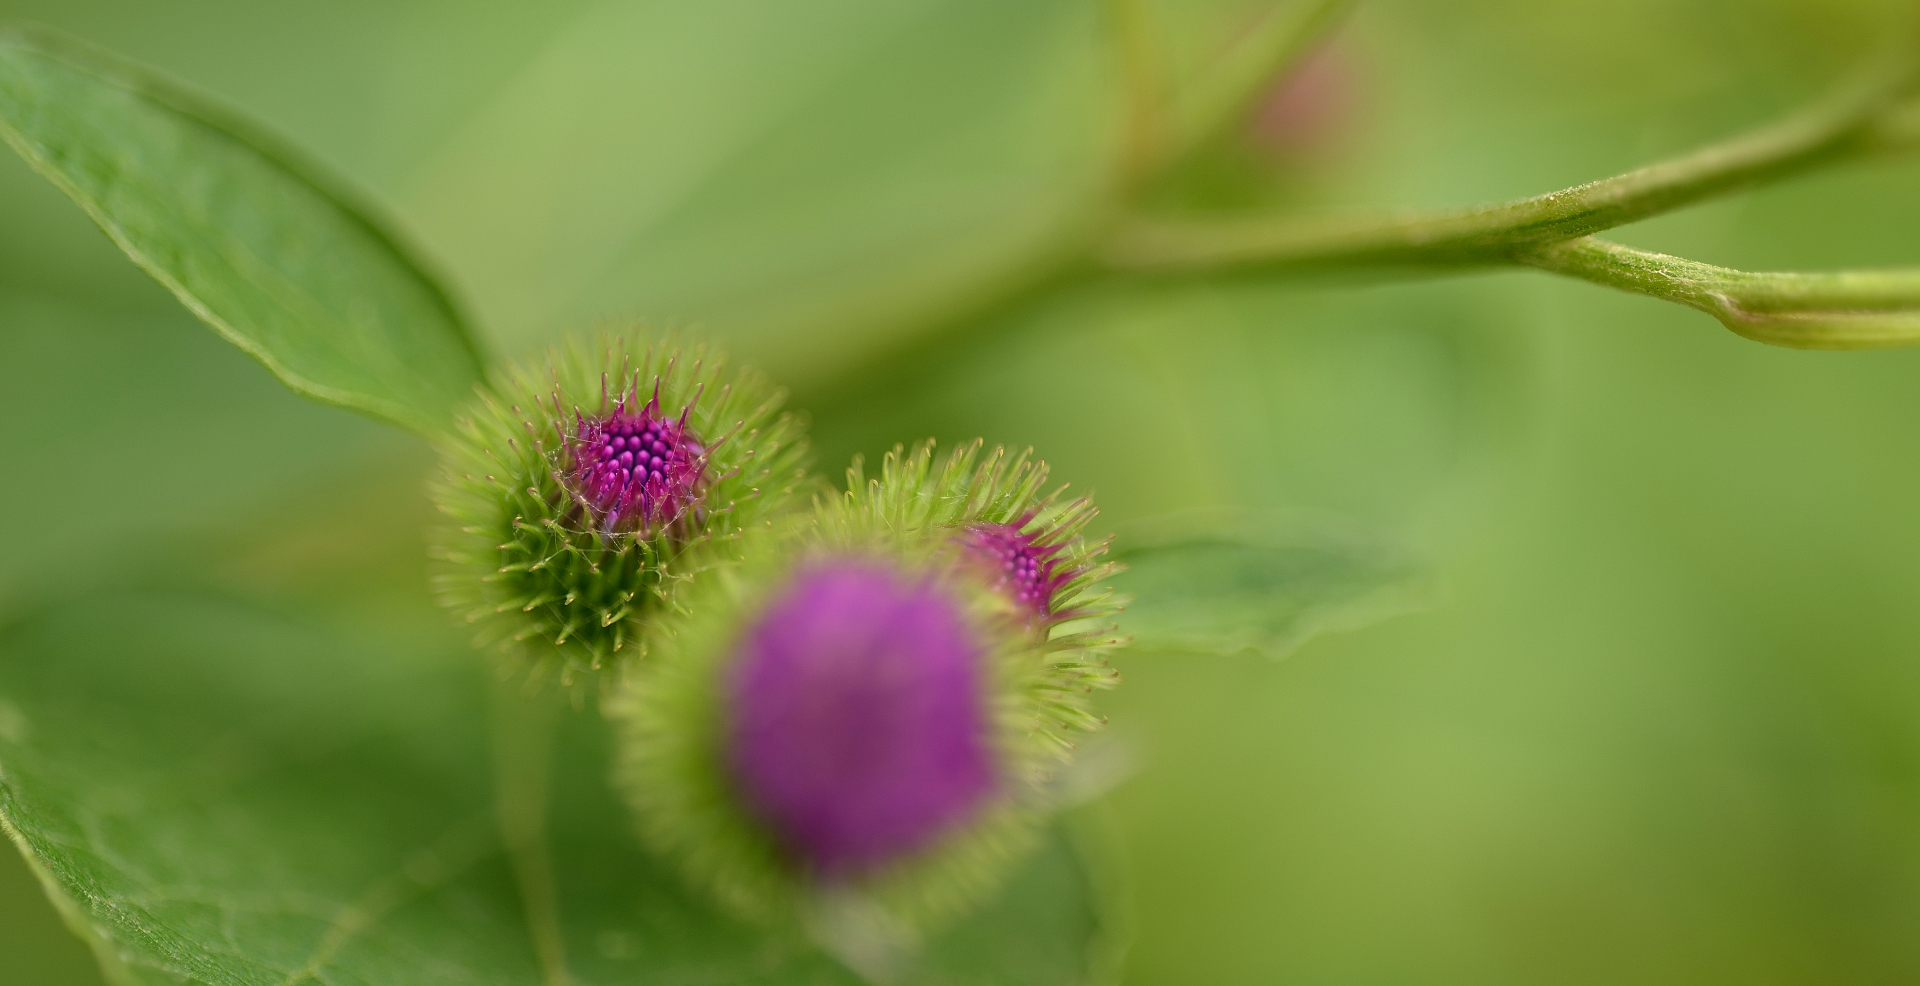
[[637, 470], [858, 726], [1027, 572]]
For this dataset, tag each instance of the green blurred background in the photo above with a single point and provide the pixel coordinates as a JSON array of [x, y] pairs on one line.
[[1662, 724]]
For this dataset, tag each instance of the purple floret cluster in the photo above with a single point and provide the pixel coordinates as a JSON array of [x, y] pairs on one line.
[[1026, 571], [637, 470]]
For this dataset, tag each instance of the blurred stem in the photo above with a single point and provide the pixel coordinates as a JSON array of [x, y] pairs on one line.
[[1844, 310], [1878, 114], [523, 726], [1871, 117], [1141, 71], [1898, 128], [1161, 131]]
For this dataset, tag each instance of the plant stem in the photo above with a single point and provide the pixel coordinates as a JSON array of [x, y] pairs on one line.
[[1162, 129], [1553, 232], [1867, 117], [523, 727], [1844, 310], [1143, 85]]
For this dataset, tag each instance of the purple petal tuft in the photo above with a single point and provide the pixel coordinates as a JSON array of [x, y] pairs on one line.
[[858, 726], [639, 469], [1027, 572]]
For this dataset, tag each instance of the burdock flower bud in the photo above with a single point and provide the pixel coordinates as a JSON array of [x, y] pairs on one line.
[[1026, 539], [867, 707], [576, 489]]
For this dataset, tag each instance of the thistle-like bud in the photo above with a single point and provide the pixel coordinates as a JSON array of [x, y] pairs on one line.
[[870, 704], [1022, 537], [577, 488]]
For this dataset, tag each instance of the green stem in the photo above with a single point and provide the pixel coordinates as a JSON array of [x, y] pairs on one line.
[[523, 727], [1873, 116], [1844, 310], [1143, 86]]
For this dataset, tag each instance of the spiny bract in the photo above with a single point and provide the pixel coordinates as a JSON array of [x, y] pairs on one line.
[[862, 705], [575, 489]]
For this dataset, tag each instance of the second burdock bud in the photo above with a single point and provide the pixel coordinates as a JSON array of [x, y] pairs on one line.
[[874, 701]]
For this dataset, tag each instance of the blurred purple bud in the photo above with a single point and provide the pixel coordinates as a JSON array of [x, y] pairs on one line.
[[1308, 107], [858, 724]]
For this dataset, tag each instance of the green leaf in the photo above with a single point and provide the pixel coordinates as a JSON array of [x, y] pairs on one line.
[[219, 796], [1225, 594], [250, 239]]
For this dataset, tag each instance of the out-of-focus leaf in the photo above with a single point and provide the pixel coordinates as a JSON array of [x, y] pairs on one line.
[[198, 439], [247, 237], [1384, 408], [778, 170], [887, 166], [223, 798], [1221, 594]]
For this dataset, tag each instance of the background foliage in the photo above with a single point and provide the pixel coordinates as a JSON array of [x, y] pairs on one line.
[[1659, 727]]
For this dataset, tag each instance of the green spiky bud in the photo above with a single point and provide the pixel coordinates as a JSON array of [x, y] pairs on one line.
[[861, 708], [1027, 539], [577, 488]]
